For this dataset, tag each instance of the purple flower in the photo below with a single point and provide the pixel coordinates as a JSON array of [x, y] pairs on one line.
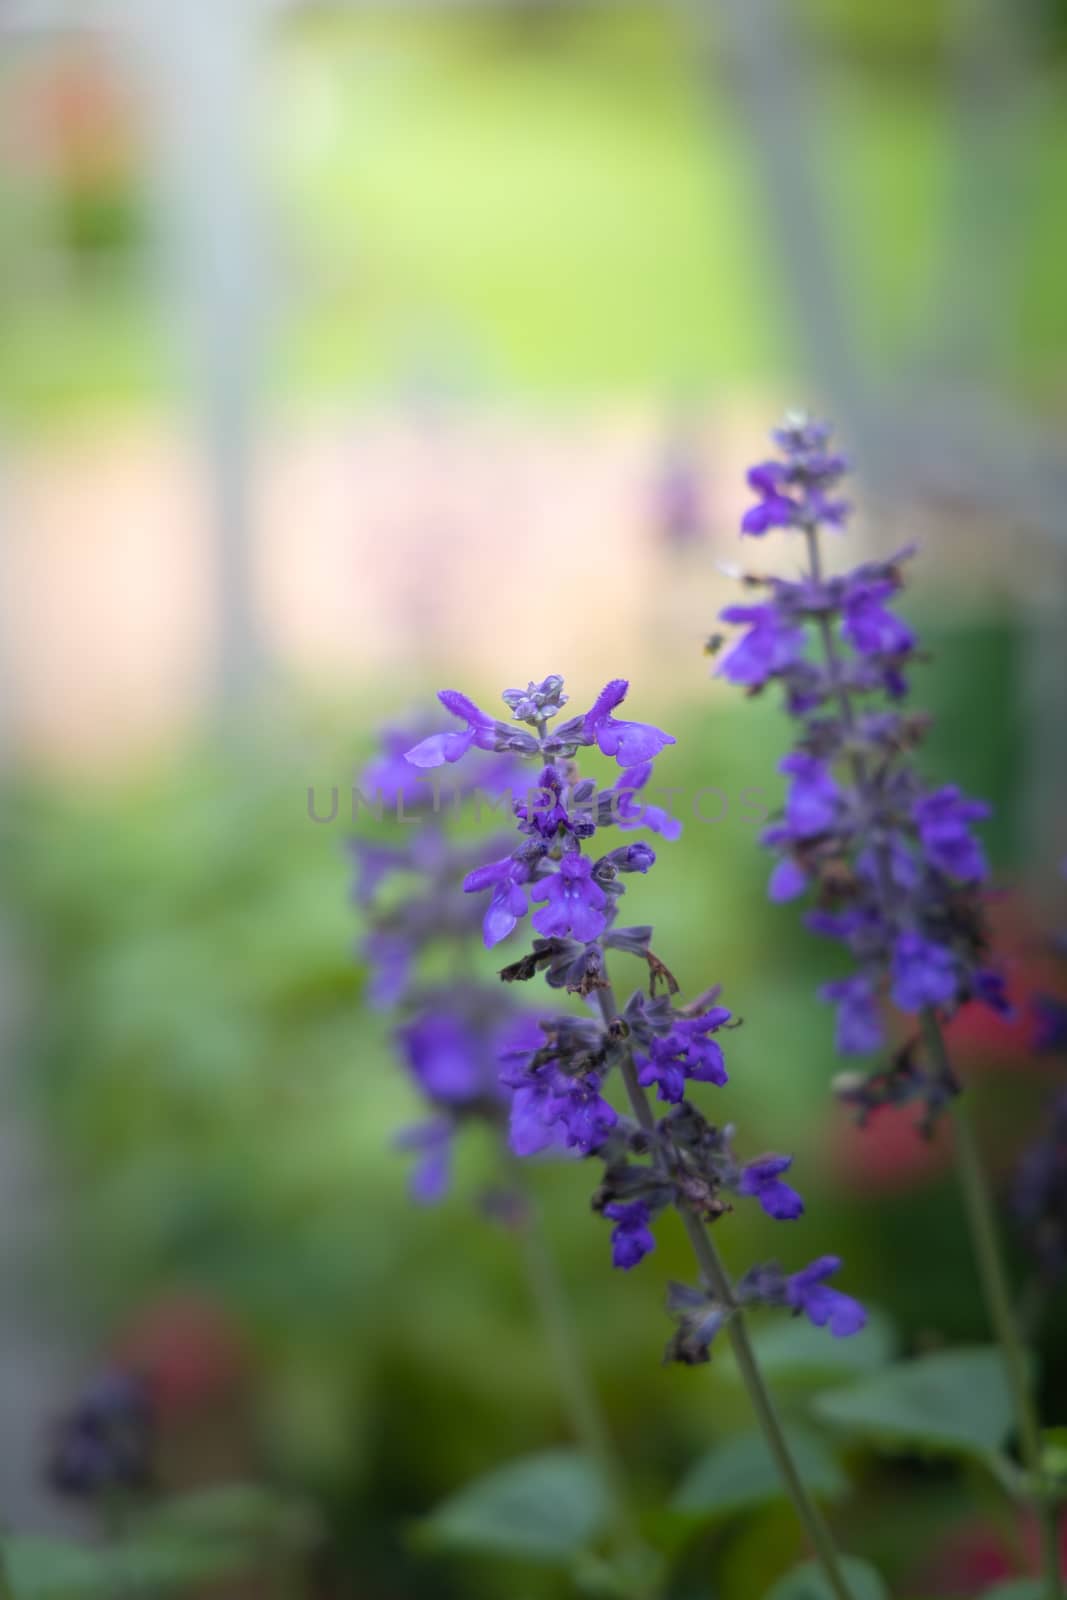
[[431, 1142], [631, 1239], [869, 627], [507, 902], [631, 743], [787, 881], [686, 1052], [390, 957], [924, 973], [772, 645], [534, 1120], [631, 813], [761, 1180], [575, 901], [775, 509], [106, 1441], [807, 1291], [443, 1056], [814, 799], [942, 819], [859, 1027], [442, 747]]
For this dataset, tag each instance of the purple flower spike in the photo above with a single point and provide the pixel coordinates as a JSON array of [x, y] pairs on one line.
[[761, 1180], [924, 973], [631, 1239], [575, 901], [890, 862], [807, 1291], [631, 743]]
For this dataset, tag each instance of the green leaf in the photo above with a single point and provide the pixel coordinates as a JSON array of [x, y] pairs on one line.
[[1017, 1589], [792, 1348], [953, 1402], [545, 1508], [807, 1583], [249, 1511], [739, 1473], [45, 1569]]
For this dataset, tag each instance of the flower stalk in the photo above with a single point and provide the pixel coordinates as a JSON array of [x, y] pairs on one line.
[[717, 1280], [676, 1160], [895, 866]]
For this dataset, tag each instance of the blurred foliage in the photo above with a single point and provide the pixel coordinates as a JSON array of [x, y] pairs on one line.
[[483, 202]]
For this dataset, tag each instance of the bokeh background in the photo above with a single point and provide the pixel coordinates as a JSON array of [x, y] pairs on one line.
[[353, 350]]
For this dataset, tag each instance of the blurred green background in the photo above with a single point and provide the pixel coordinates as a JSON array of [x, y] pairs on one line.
[[435, 238]]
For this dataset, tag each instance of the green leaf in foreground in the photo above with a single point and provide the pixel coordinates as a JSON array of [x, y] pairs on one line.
[[953, 1402], [47, 1569], [739, 1473], [808, 1583], [543, 1508]]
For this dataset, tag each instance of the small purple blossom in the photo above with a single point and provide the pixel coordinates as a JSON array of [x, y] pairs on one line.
[[631, 1238], [631, 743], [814, 799], [575, 901], [943, 820], [762, 1180], [859, 1027], [106, 1442], [507, 903], [480, 731], [787, 881], [772, 644], [442, 1054], [807, 1291], [431, 1143], [924, 973], [870, 627]]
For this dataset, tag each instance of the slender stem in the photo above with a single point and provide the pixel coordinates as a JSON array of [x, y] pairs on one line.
[[718, 1281], [583, 1406], [982, 1221]]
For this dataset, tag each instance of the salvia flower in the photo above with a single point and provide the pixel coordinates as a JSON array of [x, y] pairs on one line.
[[106, 1442], [561, 1082], [890, 864]]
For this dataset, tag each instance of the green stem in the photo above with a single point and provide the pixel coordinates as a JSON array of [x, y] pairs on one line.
[[981, 1219], [583, 1407], [717, 1280]]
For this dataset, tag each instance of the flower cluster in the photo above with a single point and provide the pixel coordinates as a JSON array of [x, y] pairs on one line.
[[559, 1085], [106, 1442], [891, 864], [453, 1030]]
